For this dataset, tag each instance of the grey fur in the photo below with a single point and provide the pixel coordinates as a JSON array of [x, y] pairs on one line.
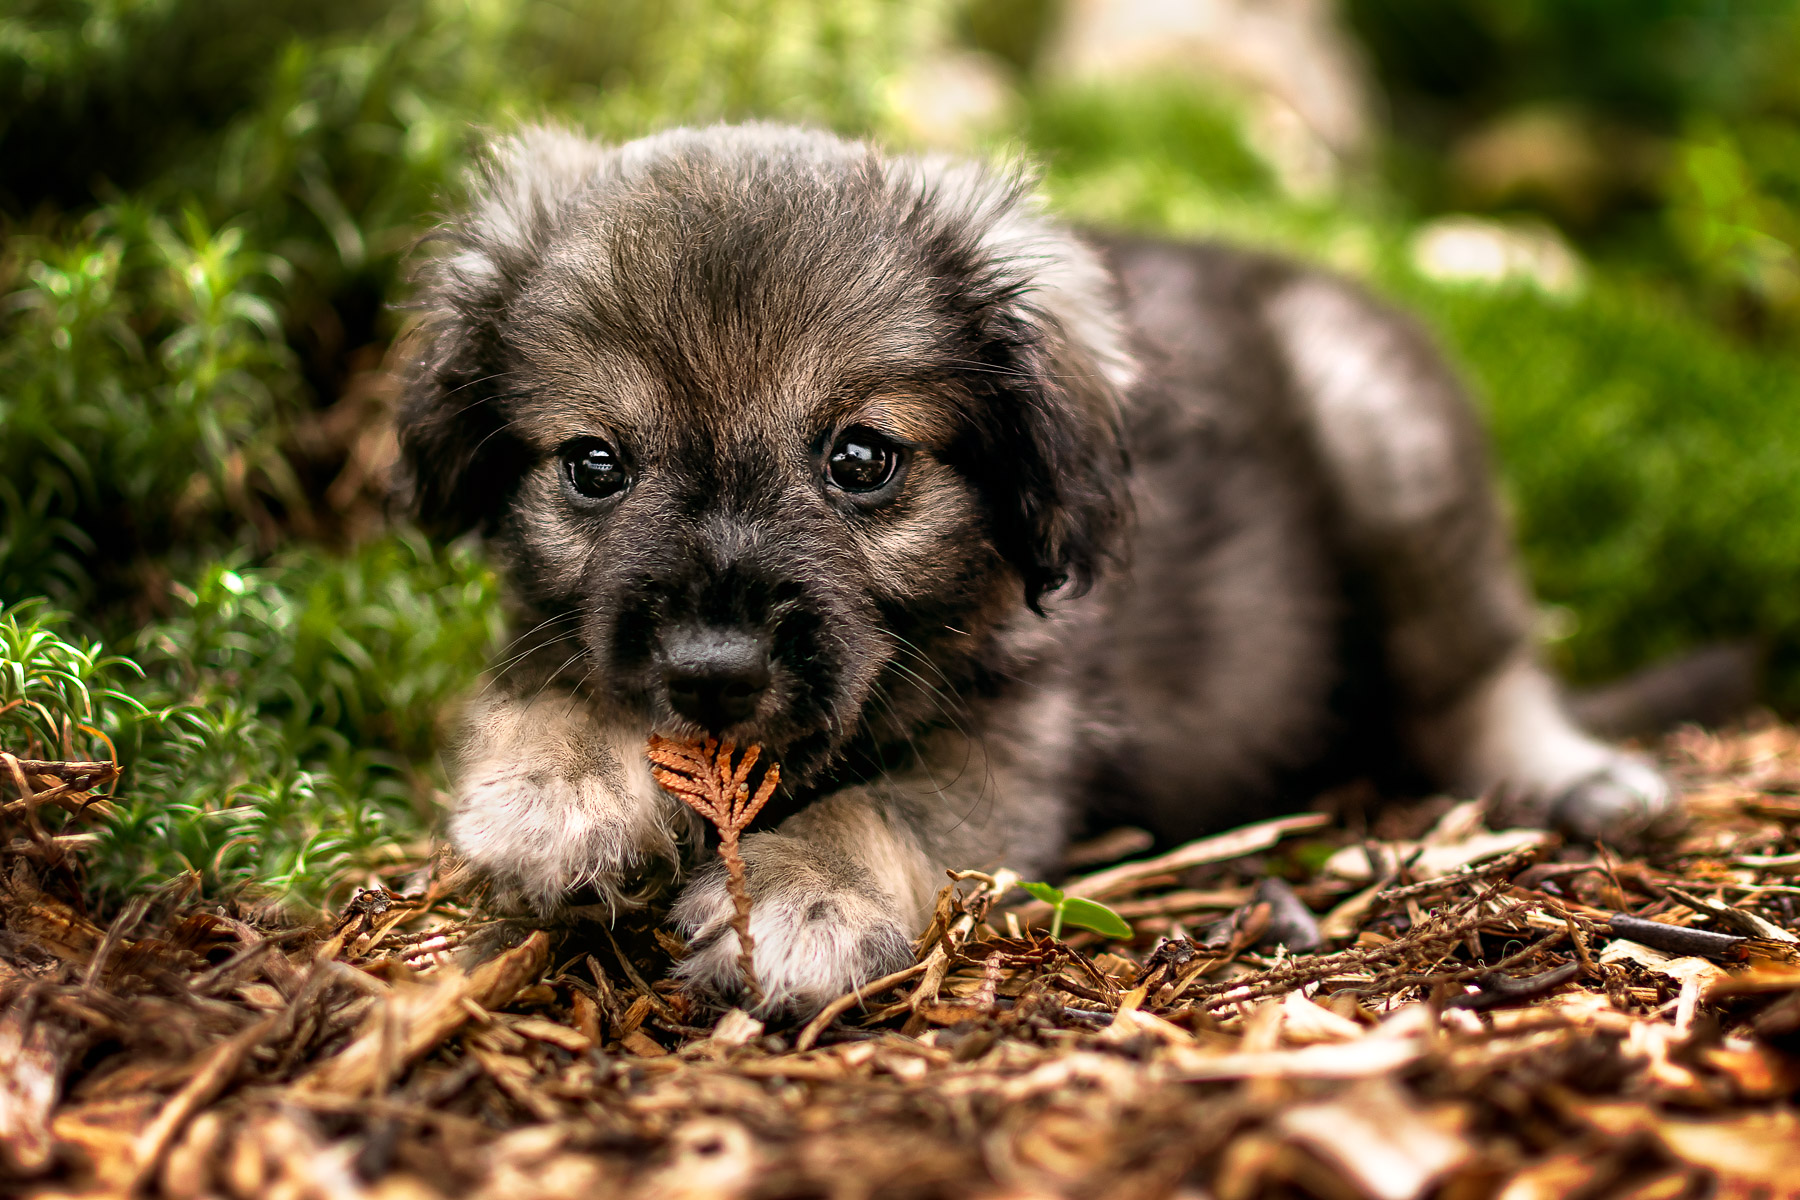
[[963, 669]]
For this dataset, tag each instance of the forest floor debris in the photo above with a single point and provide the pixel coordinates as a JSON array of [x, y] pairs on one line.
[[1482, 1014]]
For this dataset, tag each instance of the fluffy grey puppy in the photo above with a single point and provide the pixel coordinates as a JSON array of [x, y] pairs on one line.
[[786, 439]]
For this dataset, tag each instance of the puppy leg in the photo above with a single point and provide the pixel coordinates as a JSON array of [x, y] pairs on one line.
[[1511, 735], [1409, 484], [838, 891], [549, 801], [836, 895]]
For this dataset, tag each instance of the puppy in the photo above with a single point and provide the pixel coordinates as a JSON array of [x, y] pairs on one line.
[[790, 441]]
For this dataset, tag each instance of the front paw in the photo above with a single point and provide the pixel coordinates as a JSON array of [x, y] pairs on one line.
[[818, 928], [543, 836]]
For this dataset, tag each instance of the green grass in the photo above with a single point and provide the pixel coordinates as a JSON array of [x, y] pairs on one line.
[[277, 729]]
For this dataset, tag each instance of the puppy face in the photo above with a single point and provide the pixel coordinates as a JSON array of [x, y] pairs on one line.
[[771, 432]]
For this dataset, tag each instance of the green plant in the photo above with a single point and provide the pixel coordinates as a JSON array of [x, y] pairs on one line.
[[1734, 212], [61, 698], [1079, 912], [142, 397], [278, 729]]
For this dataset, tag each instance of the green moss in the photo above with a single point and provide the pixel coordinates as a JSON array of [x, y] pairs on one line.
[[279, 728]]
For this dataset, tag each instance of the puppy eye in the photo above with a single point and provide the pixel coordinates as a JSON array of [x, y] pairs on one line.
[[593, 468], [861, 460]]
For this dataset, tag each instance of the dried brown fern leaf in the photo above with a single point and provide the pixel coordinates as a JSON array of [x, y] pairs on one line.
[[703, 776]]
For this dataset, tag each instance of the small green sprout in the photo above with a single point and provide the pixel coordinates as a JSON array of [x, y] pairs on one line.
[[1083, 914]]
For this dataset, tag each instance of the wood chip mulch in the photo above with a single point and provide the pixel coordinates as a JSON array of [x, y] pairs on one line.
[[1421, 1007]]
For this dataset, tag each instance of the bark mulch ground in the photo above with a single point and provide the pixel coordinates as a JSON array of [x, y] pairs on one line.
[[1309, 1007]]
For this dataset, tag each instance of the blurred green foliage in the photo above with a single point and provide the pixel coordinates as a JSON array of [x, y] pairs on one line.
[[144, 370], [1664, 134], [1446, 62], [207, 207], [1652, 468]]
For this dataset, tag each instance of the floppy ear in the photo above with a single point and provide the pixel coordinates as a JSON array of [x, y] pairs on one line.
[[1048, 443], [460, 462], [1062, 515]]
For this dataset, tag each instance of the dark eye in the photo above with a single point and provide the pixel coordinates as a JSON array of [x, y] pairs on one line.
[[593, 468], [861, 460]]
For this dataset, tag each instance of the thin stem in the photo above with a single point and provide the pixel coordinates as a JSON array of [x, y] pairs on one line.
[[740, 912], [703, 777]]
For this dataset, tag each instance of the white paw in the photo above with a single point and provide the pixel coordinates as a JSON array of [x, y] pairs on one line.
[[1621, 803], [1590, 791], [547, 804], [1513, 740], [819, 928]]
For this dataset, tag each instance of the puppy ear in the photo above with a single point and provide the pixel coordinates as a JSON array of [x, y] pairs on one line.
[[1066, 515], [460, 462], [1054, 367]]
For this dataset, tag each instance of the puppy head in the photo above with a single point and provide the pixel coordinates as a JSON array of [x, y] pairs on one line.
[[772, 430]]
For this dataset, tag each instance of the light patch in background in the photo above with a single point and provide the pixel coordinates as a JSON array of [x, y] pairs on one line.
[[952, 99], [1306, 88], [1463, 249]]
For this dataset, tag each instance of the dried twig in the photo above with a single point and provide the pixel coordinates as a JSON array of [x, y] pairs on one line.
[[1743, 920], [72, 791], [1505, 866], [1676, 939], [1298, 972], [843, 1003], [413, 1021], [1498, 990], [215, 1072], [702, 777], [1221, 848]]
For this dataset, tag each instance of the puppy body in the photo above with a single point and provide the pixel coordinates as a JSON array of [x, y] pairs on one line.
[[667, 379]]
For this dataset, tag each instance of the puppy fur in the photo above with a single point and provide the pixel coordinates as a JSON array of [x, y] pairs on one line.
[[1301, 575]]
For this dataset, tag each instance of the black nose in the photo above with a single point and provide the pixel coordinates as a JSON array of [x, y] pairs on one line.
[[714, 676]]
